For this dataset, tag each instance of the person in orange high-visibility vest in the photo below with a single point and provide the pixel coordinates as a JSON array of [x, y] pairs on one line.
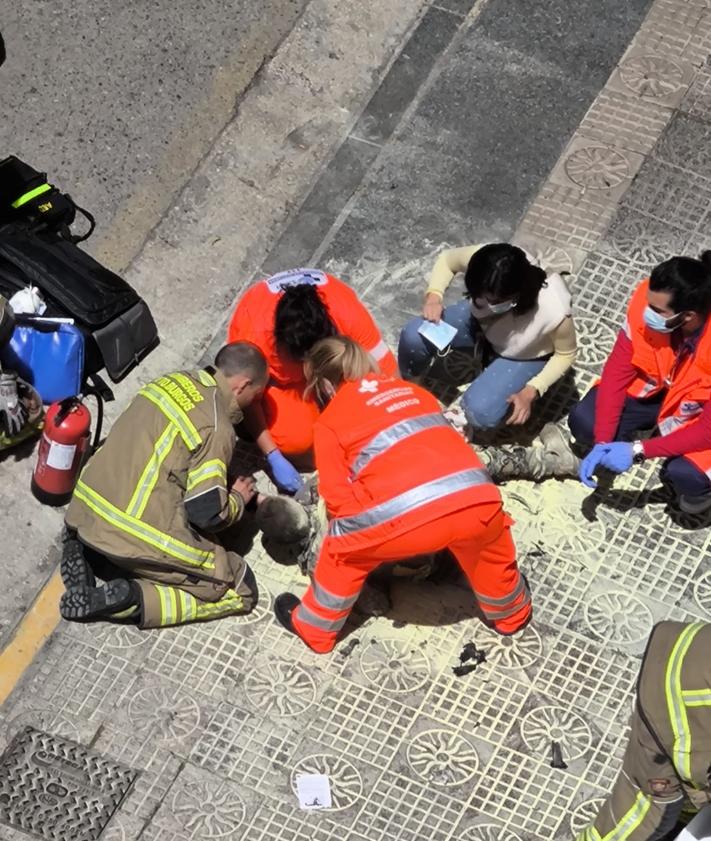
[[658, 377], [285, 315], [397, 481]]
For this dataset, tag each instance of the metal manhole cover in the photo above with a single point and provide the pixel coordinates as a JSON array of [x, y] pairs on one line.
[[56, 789]]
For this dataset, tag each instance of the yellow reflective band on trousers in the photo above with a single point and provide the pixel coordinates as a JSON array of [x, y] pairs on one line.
[[142, 531], [681, 751], [168, 605], [149, 476], [32, 194], [174, 413], [213, 469], [630, 822]]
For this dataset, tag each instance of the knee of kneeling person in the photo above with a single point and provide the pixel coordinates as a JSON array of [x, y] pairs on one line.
[[687, 479], [482, 413], [248, 590]]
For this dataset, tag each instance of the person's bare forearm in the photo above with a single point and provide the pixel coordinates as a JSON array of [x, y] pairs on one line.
[[256, 425]]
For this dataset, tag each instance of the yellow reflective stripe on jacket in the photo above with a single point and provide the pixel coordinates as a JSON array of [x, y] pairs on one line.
[[233, 506], [142, 531], [188, 386], [174, 413], [589, 834], [681, 752], [631, 821], [149, 476], [697, 697], [188, 605], [168, 605], [206, 379], [213, 469], [31, 194]]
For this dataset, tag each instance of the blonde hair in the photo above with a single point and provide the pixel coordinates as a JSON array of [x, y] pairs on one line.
[[337, 359]]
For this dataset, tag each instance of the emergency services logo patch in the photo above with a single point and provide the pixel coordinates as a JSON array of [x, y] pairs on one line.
[[368, 386]]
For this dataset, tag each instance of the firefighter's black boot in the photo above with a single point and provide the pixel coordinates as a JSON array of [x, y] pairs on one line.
[[74, 567], [83, 604], [284, 605]]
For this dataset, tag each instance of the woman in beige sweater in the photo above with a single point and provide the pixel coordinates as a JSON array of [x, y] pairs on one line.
[[523, 314]]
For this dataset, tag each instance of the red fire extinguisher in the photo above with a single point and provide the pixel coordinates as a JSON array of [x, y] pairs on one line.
[[63, 449]]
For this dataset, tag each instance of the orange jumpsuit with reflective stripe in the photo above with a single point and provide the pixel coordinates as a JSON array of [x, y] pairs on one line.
[[398, 481], [289, 417]]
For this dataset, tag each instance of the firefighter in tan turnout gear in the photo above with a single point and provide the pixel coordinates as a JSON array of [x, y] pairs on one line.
[[666, 767], [151, 499]]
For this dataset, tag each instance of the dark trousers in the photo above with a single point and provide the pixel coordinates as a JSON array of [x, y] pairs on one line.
[[639, 416]]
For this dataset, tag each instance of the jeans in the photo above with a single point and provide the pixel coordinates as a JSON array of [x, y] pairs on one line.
[[638, 415], [484, 402]]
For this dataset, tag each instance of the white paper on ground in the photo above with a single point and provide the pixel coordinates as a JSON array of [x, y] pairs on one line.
[[314, 791], [440, 334]]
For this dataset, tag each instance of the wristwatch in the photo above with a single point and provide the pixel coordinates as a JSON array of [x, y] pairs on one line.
[[637, 452]]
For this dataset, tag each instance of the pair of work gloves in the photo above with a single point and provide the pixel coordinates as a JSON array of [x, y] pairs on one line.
[[20, 410], [616, 457]]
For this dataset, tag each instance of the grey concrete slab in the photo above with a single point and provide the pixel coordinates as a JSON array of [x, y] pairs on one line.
[[118, 101]]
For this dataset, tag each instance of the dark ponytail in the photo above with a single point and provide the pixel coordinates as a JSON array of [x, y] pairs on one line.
[[501, 272], [301, 320], [688, 282]]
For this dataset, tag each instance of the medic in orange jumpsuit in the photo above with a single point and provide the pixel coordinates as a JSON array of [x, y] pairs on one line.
[[398, 481], [285, 315]]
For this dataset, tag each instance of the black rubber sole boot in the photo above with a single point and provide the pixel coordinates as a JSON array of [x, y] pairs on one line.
[[283, 607], [82, 604], [74, 568]]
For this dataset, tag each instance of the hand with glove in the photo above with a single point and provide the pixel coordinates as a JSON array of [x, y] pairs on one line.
[[617, 457], [285, 475], [13, 412]]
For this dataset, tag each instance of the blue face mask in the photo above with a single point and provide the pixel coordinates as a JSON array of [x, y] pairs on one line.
[[482, 308], [655, 321]]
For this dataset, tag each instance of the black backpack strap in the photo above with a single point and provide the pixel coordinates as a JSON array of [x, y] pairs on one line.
[[90, 219]]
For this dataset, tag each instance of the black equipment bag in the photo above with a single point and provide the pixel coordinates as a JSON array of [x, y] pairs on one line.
[[119, 328], [27, 198]]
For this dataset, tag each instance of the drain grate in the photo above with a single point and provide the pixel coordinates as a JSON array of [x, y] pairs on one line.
[[59, 790]]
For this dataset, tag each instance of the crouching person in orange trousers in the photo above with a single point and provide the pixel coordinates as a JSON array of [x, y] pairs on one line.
[[284, 316], [398, 481]]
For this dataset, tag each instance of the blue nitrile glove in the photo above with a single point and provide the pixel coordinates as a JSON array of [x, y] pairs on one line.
[[286, 476], [617, 456], [589, 463]]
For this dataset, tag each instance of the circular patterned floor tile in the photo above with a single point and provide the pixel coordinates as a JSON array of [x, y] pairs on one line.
[[620, 615], [702, 593], [584, 815], [651, 75], [549, 724], [595, 341], [395, 666], [442, 758], [488, 832], [206, 812], [281, 687], [346, 781], [597, 167], [516, 652], [169, 715]]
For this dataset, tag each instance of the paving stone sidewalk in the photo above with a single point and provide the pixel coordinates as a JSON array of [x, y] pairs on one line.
[[220, 718]]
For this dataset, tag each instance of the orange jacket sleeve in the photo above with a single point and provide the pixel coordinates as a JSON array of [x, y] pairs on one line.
[[334, 484]]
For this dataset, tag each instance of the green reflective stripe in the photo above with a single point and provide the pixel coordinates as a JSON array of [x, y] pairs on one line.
[[167, 615], [149, 477], [125, 614], [697, 697], [589, 834], [206, 379], [233, 506], [394, 434], [174, 413], [330, 600], [675, 702], [142, 531], [32, 194], [213, 469], [308, 617], [231, 602], [631, 821], [408, 501]]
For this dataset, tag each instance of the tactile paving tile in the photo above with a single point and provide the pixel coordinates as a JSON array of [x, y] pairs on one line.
[[606, 761], [697, 100], [56, 789], [586, 676], [567, 216], [625, 120], [642, 240], [669, 25], [276, 820], [602, 286], [524, 793], [686, 143]]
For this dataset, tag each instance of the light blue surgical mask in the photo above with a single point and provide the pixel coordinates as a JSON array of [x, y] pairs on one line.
[[657, 322], [481, 307]]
